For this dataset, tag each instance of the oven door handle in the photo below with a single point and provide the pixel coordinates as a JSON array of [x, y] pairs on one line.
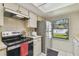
[[13, 47], [18, 45]]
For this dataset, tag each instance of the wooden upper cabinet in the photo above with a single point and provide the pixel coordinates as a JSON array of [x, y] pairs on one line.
[[1, 5], [12, 6], [33, 20], [23, 10], [1, 15], [16, 7]]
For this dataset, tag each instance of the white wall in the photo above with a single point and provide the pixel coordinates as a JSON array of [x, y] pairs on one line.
[[67, 45]]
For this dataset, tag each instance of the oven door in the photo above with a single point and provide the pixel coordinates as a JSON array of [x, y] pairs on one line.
[[30, 51], [13, 50]]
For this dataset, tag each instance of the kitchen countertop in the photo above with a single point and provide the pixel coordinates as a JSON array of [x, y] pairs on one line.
[[34, 36], [2, 45]]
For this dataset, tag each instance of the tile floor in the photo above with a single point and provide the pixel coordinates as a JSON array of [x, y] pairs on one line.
[[61, 53], [42, 54]]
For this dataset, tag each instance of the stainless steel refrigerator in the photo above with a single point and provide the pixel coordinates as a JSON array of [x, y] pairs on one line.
[[44, 29]]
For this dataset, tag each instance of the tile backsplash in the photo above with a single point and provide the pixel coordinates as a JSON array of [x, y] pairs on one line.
[[11, 24]]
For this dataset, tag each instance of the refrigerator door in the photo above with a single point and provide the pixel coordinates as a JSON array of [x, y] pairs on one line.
[[44, 29]]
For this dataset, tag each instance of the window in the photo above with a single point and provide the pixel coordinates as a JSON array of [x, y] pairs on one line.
[[48, 30], [60, 28]]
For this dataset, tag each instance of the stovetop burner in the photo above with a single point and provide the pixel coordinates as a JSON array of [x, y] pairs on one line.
[[13, 38], [14, 42]]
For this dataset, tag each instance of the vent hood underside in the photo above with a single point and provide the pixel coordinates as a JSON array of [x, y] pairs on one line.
[[13, 14]]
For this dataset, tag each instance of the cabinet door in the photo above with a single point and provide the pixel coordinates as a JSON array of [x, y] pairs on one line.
[[3, 52], [23, 11], [1, 5], [37, 46], [1, 15], [32, 20], [36, 50], [12, 6]]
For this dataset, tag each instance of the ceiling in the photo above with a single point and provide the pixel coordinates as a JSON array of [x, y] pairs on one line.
[[48, 10], [47, 7]]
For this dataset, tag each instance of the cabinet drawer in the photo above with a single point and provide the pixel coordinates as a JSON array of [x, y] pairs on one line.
[[23, 11], [35, 41], [39, 39], [12, 6]]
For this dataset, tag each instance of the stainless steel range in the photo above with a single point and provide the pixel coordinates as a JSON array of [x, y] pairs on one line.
[[13, 40]]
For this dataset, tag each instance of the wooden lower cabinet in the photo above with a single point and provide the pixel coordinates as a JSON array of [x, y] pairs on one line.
[[37, 46], [3, 52]]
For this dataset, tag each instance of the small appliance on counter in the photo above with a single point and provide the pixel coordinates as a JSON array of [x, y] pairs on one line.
[[34, 33]]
